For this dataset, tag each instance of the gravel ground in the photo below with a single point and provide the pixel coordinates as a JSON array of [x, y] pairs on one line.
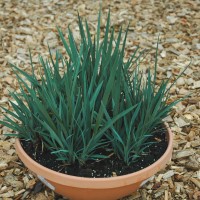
[[32, 24]]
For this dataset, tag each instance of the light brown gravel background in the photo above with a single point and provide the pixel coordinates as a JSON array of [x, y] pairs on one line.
[[32, 24]]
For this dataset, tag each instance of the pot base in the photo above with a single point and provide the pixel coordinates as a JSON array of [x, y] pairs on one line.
[[74, 193]]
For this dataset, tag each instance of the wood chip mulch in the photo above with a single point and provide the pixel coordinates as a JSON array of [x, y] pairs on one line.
[[32, 24]]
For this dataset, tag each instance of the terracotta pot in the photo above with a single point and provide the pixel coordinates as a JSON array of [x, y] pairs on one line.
[[79, 188]]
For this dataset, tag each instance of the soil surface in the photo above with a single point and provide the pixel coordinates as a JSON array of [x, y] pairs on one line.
[[32, 24], [112, 166]]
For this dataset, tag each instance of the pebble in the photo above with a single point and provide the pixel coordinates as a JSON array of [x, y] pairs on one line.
[[30, 184], [184, 92], [168, 119], [196, 143], [51, 40], [17, 184], [172, 40], [197, 46], [178, 187], [179, 106], [181, 122], [163, 54], [169, 74], [9, 179], [171, 19], [22, 51], [196, 85], [19, 192], [160, 47], [188, 117], [81, 8], [11, 152], [29, 40], [191, 165], [7, 194], [8, 80], [188, 71], [184, 153], [3, 165], [25, 30], [180, 81], [168, 174], [189, 81], [20, 37], [196, 182]]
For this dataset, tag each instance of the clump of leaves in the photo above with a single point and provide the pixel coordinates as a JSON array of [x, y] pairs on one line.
[[96, 102]]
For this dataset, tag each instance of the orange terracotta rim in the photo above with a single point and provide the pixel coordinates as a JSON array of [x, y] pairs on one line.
[[100, 183]]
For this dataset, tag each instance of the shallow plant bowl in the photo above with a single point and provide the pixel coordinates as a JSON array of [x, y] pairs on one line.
[[80, 188]]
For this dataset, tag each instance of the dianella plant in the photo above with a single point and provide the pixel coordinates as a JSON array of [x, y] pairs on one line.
[[96, 103]]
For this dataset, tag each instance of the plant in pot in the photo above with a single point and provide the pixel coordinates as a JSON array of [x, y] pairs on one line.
[[89, 127]]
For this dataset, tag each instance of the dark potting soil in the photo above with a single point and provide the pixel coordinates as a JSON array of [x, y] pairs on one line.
[[112, 166]]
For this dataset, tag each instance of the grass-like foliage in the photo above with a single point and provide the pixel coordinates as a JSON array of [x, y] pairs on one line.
[[97, 103]]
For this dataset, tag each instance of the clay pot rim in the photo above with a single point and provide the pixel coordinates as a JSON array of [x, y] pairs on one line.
[[111, 182]]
